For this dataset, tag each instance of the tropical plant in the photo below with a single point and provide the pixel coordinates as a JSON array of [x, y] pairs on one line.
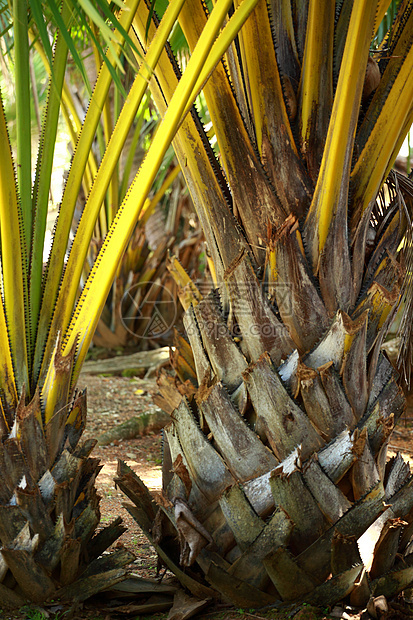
[[49, 508], [275, 459]]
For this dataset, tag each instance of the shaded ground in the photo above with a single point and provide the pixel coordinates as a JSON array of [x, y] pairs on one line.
[[112, 400]]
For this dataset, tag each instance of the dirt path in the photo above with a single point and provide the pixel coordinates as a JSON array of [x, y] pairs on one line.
[[113, 400]]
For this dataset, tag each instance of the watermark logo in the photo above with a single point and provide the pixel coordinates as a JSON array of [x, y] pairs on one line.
[[148, 310]]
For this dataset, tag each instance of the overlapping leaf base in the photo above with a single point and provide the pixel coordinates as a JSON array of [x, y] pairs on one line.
[[275, 461], [276, 467], [49, 510]]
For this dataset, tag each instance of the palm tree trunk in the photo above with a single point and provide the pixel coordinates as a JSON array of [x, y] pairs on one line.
[[275, 461]]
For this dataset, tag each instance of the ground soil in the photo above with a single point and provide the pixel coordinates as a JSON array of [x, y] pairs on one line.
[[110, 401], [114, 399]]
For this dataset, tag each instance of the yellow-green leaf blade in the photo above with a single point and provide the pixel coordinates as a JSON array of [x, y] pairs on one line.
[[12, 258], [78, 252], [80, 158], [332, 184], [316, 88]]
